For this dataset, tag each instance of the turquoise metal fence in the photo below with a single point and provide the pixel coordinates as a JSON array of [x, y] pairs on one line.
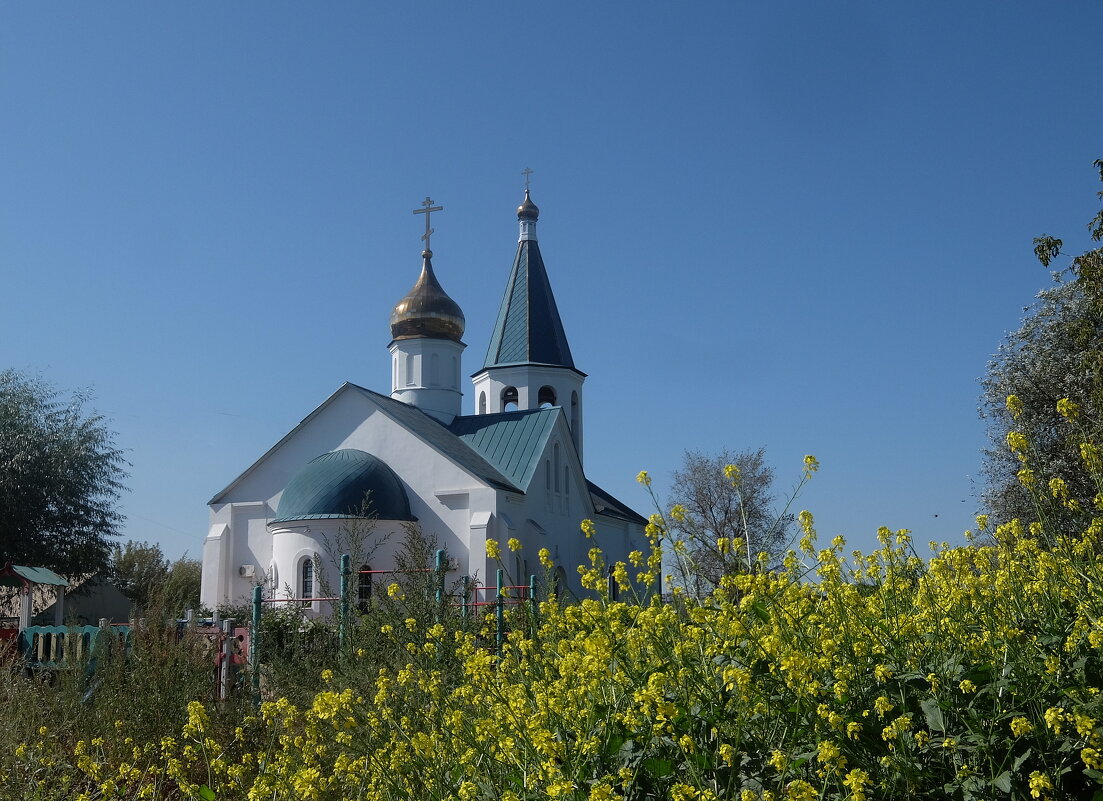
[[57, 646]]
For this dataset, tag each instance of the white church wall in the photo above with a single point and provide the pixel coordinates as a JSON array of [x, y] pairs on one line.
[[550, 514], [443, 496]]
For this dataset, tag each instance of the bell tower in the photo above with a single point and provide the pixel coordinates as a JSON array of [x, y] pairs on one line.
[[528, 364]]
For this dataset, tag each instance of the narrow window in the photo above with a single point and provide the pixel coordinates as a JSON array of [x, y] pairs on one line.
[[308, 579], [363, 588], [559, 583], [558, 488], [509, 399], [409, 369], [482, 403], [576, 423], [546, 397]]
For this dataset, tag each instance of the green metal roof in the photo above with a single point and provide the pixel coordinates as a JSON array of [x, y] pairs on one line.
[[11, 575], [337, 484], [511, 441], [606, 504], [441, 438], [528, 330]]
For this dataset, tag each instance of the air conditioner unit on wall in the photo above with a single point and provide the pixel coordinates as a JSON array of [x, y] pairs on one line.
[[247, 571]]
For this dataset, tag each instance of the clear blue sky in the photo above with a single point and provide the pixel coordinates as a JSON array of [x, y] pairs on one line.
[[802, 225]]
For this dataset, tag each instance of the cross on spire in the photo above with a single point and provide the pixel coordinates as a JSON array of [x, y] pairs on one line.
[[427, 209], [526, 172]]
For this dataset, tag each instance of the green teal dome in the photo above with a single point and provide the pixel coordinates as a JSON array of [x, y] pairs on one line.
[[337, 484]]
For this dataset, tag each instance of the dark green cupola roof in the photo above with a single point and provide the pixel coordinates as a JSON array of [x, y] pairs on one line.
[[528, 330], [339, 484]]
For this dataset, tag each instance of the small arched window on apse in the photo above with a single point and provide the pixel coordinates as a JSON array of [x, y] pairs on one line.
[[306, 580], [363, 589], [558, 486], [546, 398], [509, 399], [482, 403]]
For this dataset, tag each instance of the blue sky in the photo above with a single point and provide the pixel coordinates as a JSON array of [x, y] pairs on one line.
[[802, 225]]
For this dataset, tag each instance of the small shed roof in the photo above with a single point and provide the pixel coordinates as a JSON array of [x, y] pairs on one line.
[[14, 575]]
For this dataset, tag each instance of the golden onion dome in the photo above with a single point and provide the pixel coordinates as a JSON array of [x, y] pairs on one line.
[[528, 210], [427, 311]]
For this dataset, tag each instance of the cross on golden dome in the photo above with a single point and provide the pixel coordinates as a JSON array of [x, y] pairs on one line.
[[427, 209]]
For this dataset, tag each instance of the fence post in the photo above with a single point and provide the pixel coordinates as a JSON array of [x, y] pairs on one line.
[[101, 635], [440, 571], [500, 612], [343, 620], [254, 644], [224, 673]]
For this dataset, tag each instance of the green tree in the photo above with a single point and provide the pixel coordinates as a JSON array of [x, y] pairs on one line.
[[147, 578], [1056, 353], [60, 478], [139, 569], [725, 505], [180, 590]]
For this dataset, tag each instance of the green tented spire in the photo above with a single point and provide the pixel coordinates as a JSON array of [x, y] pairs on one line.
[[528, 330]]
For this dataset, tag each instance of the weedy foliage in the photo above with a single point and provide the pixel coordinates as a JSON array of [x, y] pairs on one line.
[[972, 674]]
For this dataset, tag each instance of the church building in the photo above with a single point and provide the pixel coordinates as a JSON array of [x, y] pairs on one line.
[[371, 465]]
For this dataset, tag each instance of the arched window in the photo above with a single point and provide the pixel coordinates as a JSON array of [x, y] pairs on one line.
[[559, 582], [409, 369], [363, 588], [546, 398], [306, 585], [482, 403], [509, 399]]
